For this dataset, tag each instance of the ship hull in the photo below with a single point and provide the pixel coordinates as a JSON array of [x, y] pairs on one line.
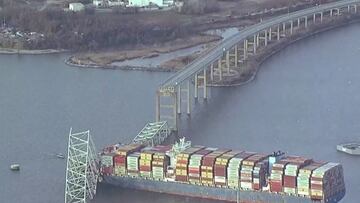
[[217, 193]]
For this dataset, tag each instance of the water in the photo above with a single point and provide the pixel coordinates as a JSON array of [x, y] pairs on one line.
[[304, 101], [162, 58]]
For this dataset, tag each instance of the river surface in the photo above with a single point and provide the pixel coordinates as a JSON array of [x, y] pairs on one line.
[[304, 101]]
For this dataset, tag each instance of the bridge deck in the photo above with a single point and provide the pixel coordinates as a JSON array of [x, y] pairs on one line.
[[214, 54]]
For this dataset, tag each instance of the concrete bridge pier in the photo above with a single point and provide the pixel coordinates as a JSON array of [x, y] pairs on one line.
[[246, 46], [255, 43], [236, 55], [298, 23], [306, 21], [196, 82], [278, 33], [212, 72], [283, 30], [321, 17], [264, 38], [188, 103], [227, 61], [179, 91], [220, 69], [291, 27], [166, 105]]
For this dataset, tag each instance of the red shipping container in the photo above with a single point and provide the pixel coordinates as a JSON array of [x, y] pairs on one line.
[[193, 170], [276, 186], [220, 171], [181, 161], [290, 181], [181, 178], [145, 168], [107, 170], [119, 160]]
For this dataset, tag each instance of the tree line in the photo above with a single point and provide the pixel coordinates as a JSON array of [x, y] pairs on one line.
[[89, 31]]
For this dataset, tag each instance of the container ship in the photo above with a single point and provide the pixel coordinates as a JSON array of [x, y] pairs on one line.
[[222, 174]]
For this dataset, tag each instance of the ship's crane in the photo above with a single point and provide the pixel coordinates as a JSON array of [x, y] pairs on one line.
[[82, 169]]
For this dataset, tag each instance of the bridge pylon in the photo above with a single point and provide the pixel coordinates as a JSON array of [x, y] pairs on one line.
[[82, 169]]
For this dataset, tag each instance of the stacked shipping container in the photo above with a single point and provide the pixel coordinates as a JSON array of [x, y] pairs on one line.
[[120, 158], [182, 163], [246, 172], [107, 164], [207, 166], [303, 178], [225, 168], [325, 182], [160, 162], [234, 167], [221, 165], [195, 161], [277, 176], [291, 173], [133, 164], [146, 157], [260, 173]]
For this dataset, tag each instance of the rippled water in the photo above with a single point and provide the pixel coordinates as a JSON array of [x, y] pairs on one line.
[[304, 101]]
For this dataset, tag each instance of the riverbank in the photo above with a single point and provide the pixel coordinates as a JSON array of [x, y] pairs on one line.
[[254, 63], [31, 52], [107, 59]]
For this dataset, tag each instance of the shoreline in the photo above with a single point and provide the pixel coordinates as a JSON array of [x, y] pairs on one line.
[[9, 51], [254, 64]]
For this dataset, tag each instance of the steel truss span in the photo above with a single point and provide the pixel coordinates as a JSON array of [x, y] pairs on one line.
[[82, 168]]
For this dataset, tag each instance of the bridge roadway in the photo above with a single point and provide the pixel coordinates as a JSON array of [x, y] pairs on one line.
[[217, 52]]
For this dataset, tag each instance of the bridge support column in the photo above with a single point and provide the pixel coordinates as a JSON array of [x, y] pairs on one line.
[[355, 8], [157, 106], [246, 46], [257, 39], [236, 56], [212, 72], [291, 27], [337, 11], [321, 17], [205, 84], [254, 44], [228, 61], [348, 8], [331, 12], [188, 103], [168, 111], [298, 23], [270, 34], [196, 86], [306, 21], [174, 110], [220, 68], [278, 33], [179, 99], [314, 18], [266, 37], [284, 29]]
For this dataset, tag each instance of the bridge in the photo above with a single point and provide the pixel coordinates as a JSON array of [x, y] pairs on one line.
[[230, 56]]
